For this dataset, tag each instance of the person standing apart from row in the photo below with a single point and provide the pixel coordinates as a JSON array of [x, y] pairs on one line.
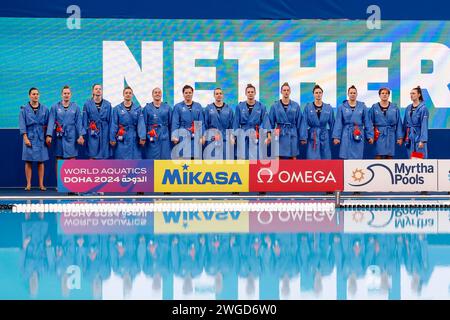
[[33, 119]]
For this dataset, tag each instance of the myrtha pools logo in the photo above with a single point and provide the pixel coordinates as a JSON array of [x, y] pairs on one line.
[[403, 174], [398, 218]]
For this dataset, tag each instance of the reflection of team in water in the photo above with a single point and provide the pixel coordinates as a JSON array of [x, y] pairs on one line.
[[281, 256], [218, 131]]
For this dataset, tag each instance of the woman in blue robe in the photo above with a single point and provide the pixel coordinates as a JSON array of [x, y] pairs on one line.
[[218, 120], [387, 125], [127, 129], [33, 120], [286, 121], [157, 118], [415, 125], [250, 116], [184, 115], [319, 120], [65, 126], [352, 127], [96, 118]]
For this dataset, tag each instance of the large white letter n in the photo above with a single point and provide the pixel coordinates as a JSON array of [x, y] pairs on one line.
[[119, 65]]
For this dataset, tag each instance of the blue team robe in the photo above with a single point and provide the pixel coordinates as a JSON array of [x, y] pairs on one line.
[[246, 121], [417, 129], [182, 118], [97, 141], [34, 125], [133, 123], [289, 123], [317, 131], [71, 121], [389, 126], [158, 119], [221, 121], [346, 119]]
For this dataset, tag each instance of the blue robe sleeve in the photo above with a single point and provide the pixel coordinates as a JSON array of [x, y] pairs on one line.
[[338, 125], [169, 120], [51, 121], [230, 125], [79, 122], [372, 115], [206, 116], [141, 125], [237, 118], [405, 123], [109, 116], [46, 115], [302, 125], [175, 121], [265, 123], [303, 132], [145, 116], [399, 128], [22, 121], [114, 125], [202, 119], [272, 116], [85, 116], [368, 125], [424, 125], [331, 121]]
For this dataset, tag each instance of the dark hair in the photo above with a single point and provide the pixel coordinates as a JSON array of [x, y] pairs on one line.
[[351, 87], [317, 87], [285, 85], [65, 87], [127, 87], [187, 87], [155, 89], [419, 91], [383, 89], [31, 89], [218, 88], [96, 84], [250, 86]]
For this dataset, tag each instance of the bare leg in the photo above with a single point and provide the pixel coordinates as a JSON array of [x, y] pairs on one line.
[[28, 173], [41, 175]]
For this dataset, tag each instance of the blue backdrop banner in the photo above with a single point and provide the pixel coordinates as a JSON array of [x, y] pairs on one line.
[[49, 53]]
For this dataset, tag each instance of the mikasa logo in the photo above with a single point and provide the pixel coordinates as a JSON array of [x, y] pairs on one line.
[[199, 216], [199, 177]]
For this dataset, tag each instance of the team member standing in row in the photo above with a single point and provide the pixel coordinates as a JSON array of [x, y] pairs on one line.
[[157, 117], [96, 119], [218, 115], [387, 125], [352, 126], [184, 115], [127, 131], [319, 120], [286, 121], [415, 124], [65, 124], [251, 115], [33, 119]]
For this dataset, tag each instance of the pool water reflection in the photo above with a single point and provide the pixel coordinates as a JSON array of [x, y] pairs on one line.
[[40, 258]]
